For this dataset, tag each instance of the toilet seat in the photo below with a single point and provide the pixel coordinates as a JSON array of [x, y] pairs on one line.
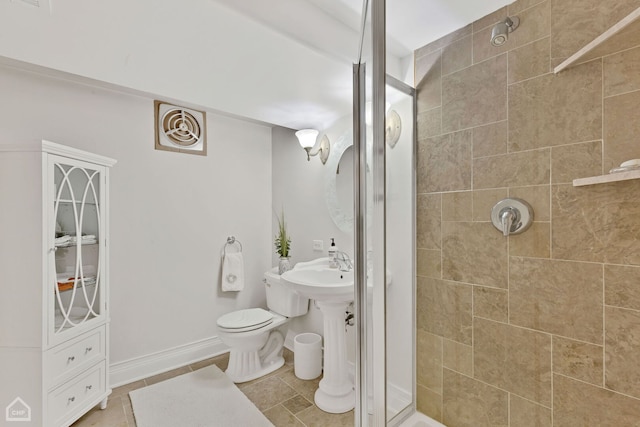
[[245, 320]]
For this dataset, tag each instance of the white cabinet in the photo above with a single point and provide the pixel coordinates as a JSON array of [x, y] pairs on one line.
[[54, 280]]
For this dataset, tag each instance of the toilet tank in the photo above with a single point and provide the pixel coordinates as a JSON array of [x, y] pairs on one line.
[[281, 298]]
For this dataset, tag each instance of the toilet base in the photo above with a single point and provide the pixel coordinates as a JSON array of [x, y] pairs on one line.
[[242, 367], [254, 353]]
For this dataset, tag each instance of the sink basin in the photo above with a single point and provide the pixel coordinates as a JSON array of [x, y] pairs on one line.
[[321, 283]]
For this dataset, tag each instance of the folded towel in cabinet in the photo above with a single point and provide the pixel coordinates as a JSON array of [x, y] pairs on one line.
[[233, 272], [62, 240]]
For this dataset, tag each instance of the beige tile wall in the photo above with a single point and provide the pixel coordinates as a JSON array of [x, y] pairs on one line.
[[541, 328]]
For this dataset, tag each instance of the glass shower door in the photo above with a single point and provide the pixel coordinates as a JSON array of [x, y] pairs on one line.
[[399, 250], [369, 235], [384, 232]]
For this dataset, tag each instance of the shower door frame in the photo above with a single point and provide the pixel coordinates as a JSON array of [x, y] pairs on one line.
[[404, 88], [363, 239]]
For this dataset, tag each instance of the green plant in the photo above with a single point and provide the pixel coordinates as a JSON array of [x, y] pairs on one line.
[[282, 240]]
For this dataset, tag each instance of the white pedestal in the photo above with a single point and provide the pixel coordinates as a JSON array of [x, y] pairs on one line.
[[335, 393]]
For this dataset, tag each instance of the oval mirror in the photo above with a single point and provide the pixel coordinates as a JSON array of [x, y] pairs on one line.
[[339, 182]]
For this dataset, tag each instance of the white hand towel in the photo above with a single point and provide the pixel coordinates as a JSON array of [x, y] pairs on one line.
[[233, 272]]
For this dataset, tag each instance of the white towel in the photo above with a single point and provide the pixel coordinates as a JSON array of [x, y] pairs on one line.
[[233, 272]]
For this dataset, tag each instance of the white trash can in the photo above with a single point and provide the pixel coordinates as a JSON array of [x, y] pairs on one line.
[[307, 357]]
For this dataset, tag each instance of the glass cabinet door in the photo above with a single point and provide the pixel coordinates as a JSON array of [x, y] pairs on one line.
[[77, 227]]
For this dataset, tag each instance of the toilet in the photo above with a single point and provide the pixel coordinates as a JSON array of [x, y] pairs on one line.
[[252, 335]]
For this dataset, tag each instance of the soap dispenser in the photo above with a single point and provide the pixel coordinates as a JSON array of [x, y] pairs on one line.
[[332, 254]]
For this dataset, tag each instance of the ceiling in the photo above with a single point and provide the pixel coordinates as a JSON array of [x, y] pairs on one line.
[[410, 23], [278, 62], [332, 28]]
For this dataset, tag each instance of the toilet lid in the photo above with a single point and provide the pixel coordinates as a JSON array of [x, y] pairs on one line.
[[243, 320]]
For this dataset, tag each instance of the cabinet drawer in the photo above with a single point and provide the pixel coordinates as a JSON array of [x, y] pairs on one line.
[[74, 356], [76, 393]]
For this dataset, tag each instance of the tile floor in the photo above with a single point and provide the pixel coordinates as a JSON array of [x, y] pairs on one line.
[[284, 399]]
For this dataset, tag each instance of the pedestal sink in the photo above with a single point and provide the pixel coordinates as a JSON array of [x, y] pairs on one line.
[[332, 289]]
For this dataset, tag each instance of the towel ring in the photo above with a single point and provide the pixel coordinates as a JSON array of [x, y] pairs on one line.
[[231, 240]]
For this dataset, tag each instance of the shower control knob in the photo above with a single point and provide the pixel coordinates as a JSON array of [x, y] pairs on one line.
[[512, 216]]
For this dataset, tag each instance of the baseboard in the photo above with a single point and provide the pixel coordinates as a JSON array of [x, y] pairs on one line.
[[156, 363]]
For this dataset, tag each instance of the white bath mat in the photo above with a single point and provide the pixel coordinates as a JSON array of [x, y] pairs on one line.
[[204, 398]]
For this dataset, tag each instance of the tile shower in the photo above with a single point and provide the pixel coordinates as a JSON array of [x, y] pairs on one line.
[[541, 328]]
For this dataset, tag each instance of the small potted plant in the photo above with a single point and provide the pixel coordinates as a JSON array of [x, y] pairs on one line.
[[283, 245]]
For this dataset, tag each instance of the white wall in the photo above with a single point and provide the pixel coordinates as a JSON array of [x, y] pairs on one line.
[[170, 213], [298, 187], [198, 51]]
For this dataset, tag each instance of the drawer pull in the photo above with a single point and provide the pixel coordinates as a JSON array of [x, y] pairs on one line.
[[71, 359], [87, 350], [89, 387], [71, 399]]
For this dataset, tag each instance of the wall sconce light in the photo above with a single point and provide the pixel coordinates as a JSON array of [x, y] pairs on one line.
[[393, 124], [393, 128], [307, 138]]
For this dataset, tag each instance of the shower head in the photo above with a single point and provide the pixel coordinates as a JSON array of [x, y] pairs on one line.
[[500, 32]]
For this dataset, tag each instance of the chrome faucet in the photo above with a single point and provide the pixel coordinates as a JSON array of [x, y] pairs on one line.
[[343, 261]]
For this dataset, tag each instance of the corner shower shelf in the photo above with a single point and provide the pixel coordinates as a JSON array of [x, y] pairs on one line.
[[603, 179], [623, 35]]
